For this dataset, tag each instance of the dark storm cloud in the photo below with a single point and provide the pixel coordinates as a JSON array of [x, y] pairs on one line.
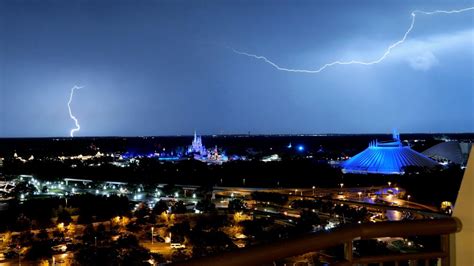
[[161, 67]]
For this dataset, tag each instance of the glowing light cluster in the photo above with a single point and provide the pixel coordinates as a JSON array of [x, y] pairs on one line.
[[356, 62]]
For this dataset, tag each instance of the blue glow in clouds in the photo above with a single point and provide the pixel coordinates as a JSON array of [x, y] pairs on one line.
[[221, 92], [356, 62]]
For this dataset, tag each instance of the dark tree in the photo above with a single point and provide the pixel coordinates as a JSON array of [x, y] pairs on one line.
[[26, 238], [178, 207], [307, 220], [22, 223], [210, 222], [236, 205], [142, 213], [180, 230], [135, 256], [39, 250], [101, 232], [89, 234], [64, 217], [205, 205], [127, 241], [58, 234], [160, 207], [42, 235]]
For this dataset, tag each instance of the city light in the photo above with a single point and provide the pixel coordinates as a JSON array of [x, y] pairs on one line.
[[152, 234]]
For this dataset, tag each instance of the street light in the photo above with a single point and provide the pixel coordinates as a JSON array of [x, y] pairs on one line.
[[313, 190], [152, 228], [389, 183], [359, 193], [408, 197], [342, 185]]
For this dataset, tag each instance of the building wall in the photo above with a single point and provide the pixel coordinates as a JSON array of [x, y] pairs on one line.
[[464, 210]]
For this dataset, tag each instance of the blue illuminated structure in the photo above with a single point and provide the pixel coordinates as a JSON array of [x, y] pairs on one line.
[[300, 148], [389, 157]]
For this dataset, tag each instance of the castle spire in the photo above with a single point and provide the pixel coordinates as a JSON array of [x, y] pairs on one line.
[[396, 135]]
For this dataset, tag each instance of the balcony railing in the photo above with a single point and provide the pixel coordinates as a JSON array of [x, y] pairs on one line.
[[268, 253]]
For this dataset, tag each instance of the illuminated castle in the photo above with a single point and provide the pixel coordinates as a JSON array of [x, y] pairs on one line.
[[199, 152], [196, 146], [387, 157]]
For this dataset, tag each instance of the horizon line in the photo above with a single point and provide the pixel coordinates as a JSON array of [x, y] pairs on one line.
[[238, 134]]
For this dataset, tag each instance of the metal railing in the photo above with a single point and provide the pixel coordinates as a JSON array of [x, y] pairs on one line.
[[268, 253]]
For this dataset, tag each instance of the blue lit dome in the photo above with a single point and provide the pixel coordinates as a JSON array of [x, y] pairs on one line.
[[389, 157]]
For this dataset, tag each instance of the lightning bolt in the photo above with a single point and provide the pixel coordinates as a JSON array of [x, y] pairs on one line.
[[356, 62], [71, 115]]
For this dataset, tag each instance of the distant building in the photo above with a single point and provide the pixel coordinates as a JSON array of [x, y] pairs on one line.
[[452, 151], [387, 157]]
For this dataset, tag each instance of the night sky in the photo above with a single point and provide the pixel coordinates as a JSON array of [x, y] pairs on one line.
[[162, 67]]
